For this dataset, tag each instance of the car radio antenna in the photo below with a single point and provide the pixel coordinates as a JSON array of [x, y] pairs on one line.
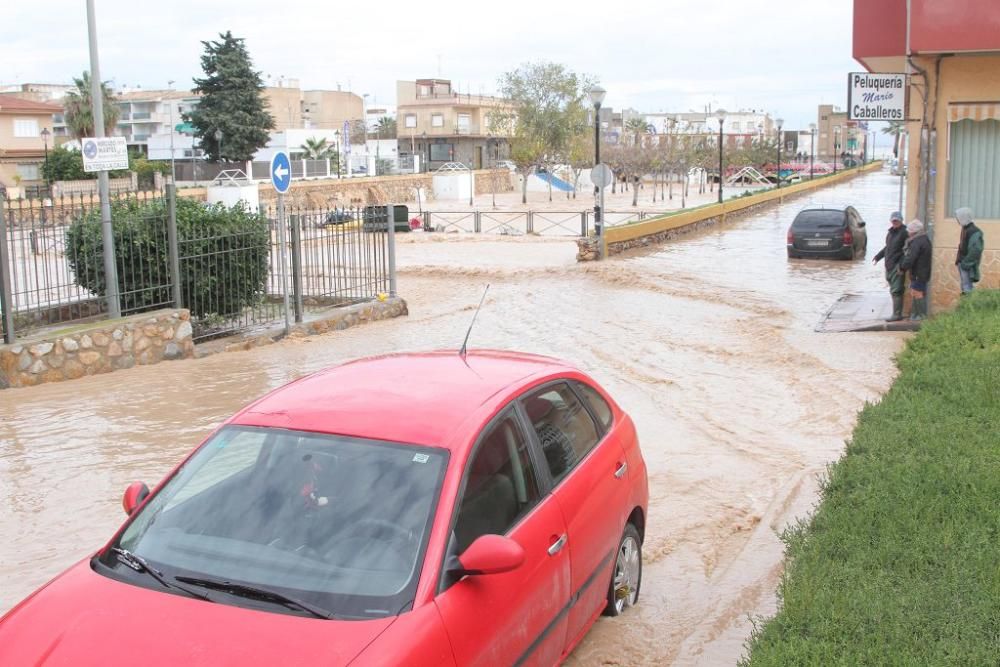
[[465, 342]]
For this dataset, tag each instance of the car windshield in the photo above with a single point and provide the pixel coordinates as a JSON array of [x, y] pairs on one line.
[[338, 522], [818, 218]]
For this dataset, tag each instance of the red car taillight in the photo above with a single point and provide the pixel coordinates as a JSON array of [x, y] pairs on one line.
[[790, 239], [848, 237]]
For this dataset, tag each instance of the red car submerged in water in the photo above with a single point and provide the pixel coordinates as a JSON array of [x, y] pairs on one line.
[[417, 509]]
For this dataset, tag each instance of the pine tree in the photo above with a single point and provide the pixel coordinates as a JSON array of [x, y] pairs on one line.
[[232, 102]]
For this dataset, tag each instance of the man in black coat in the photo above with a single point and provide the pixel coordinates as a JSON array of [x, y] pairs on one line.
[[895, 242], [917, 260]]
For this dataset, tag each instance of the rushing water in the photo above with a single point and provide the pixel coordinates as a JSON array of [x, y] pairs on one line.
[[707, 342]]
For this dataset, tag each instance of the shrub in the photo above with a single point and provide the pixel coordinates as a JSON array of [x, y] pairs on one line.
[[223, 255]]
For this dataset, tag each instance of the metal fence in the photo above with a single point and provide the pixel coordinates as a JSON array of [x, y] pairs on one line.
[[225, 266], [518, 223]]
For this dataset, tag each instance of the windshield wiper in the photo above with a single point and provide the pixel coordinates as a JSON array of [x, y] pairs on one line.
[[139, 564], [244, 590]]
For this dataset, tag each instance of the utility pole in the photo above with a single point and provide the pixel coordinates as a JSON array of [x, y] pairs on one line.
[[97, 106]]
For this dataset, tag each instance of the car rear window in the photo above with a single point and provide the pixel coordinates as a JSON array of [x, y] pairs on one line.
[[818, 219]]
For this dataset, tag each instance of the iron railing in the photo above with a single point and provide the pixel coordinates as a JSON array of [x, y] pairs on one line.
[[226, 269], [54, 261]]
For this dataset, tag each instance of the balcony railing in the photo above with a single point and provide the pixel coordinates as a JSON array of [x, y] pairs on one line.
[[141, 115]]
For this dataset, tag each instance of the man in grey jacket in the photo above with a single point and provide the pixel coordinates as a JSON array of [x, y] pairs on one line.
[[895, 242]]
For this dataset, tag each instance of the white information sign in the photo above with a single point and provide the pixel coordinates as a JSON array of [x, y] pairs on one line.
[[876, 96], [104, 153]]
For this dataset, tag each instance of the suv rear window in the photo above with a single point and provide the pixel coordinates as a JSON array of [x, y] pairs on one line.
[[819, 218]]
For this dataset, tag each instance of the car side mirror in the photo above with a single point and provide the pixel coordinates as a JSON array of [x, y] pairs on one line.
[[134, 495], [490, 554]]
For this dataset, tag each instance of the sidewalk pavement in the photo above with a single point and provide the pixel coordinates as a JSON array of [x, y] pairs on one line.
[[865, 311]]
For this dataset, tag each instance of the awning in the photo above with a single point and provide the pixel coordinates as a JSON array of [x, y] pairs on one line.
[[974, 111]]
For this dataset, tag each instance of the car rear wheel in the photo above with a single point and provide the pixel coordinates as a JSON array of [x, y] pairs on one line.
[[626, 578]]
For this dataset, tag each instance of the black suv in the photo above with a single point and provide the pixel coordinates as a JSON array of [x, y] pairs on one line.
[[827, 231]]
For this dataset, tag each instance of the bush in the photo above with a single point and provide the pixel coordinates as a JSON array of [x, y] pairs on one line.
[[223, 255]]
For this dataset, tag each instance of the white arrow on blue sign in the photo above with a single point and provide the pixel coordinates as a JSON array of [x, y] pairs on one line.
[[281, 172]]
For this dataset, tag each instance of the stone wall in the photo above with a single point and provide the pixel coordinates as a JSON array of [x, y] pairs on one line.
[[335, 319], [352, 192], [101, 347]]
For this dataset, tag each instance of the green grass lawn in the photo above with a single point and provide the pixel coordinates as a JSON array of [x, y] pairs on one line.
[[900, 564]]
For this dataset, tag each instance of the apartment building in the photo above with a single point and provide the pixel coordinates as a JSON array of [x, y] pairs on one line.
[[145, 113], [25, 135], [750, 123], [835, 135], [52, 93], [441, 125]]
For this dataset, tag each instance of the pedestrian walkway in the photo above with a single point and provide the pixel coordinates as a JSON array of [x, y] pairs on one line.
[[863, 311]]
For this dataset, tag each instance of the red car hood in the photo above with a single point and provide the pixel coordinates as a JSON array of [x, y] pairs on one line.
[[82, 618]]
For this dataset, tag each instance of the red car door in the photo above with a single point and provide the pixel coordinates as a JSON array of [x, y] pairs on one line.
[[590, 478], [516, 617]]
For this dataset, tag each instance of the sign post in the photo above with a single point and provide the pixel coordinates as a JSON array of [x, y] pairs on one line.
[[281, 179], [103, 184], [600, 176]]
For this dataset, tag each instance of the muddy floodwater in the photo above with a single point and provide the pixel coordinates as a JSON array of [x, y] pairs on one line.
[[707, 342]]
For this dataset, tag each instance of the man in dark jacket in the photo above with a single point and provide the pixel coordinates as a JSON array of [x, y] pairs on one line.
[[970, 250], [917, 260], [895, 242]]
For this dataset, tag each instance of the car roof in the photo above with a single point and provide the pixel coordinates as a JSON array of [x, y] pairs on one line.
[[825, 207], [416, 398]]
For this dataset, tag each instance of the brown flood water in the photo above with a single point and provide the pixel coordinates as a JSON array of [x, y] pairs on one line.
[[706, 342]]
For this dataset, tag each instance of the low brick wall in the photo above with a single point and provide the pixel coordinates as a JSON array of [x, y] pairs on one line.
[[656, 230], [101, 347]]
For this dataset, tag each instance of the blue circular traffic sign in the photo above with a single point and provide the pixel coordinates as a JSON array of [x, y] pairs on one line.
[[281, 172]]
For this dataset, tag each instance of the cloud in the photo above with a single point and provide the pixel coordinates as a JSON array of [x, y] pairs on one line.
[[649, 54]]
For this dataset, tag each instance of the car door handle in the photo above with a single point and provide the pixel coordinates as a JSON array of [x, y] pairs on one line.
[[621, 470], [557, 546]]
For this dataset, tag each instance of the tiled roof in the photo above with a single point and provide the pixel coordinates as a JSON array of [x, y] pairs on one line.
[[11, 104]]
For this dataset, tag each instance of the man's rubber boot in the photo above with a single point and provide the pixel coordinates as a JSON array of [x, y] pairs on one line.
[[897, 308], [918, 310]]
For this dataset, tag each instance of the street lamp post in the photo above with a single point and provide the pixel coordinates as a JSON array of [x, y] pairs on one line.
[[48, 177], [597, 97], [778, 122], [721, 114], [812, 149], [836, 146], [218, 140], [170, 103]]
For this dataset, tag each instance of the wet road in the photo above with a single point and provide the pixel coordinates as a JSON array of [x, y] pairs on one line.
[[707, 342]]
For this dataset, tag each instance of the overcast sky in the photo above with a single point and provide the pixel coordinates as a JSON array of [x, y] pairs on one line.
[[652, 55]]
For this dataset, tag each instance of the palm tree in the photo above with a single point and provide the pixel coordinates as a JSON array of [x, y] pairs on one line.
[[316, 149], [895, 128], [638, 127], [79, 115], [386, 127]]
